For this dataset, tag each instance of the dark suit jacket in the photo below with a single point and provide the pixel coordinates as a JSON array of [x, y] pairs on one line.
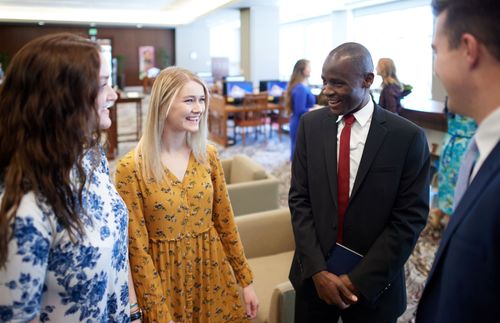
[[387, 209], [464, 283]]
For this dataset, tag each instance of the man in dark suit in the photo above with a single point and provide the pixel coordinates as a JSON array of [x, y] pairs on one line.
[[376, 203], [464, 282]]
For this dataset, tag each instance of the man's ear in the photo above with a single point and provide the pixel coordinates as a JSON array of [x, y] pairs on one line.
[[368, 81], [471, 47]]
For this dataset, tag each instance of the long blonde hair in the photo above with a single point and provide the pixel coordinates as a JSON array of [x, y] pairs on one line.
[[297, 77], [163, 93], [387, 70]]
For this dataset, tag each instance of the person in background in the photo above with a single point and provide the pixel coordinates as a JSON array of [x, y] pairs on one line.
[[63, 226], [463, 283], [185, 251], [299, 98], [1, 73], [392, 90], [460, 132], [360, 178]]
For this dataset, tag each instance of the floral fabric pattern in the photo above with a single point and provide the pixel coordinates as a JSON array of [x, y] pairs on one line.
[[51, 277], [460, 131], [184, 245]]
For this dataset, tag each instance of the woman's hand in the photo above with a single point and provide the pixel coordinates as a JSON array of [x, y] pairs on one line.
[[251, 301]]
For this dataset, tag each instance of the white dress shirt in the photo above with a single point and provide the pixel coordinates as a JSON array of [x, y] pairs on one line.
[[487, 137], [359, 133]]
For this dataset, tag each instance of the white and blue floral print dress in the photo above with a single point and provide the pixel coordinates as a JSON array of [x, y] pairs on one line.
[[50, 277]]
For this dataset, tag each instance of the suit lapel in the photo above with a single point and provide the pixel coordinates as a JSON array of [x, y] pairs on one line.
[[329, 129], [374, 139], [487, 171]]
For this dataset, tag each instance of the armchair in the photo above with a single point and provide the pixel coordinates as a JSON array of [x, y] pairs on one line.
[[251, 189], [268, 241]]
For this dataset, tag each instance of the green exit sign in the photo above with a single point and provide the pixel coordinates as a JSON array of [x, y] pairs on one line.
[[92, 31]]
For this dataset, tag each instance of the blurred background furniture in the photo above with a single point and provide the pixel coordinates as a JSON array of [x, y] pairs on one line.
[[218, 119], [252, 114], [251, 189], [113, 137], [268, 241], [147, 84], [221, 116], [279, 117]]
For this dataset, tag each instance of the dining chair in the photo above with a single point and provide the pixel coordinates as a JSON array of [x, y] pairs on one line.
[[252, 115]]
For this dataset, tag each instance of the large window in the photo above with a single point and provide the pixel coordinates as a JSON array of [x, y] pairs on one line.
[[404, 35], [310, 39], [225, 42], [401, 30]]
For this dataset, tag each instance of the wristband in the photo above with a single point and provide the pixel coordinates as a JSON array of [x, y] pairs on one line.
[[136, 315]]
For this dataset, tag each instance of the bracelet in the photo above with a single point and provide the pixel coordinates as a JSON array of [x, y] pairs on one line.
[[132, 306], [136, 315]]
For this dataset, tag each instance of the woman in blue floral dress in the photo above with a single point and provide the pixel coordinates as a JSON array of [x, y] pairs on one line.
[[63, 227], [460, 131]]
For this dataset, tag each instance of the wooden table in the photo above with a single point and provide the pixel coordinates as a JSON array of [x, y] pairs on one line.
[[425, 113], [114, 138], [218, 115]]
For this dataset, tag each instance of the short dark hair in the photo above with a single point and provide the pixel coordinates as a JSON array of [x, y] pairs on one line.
[[479, 18], [357, 53]]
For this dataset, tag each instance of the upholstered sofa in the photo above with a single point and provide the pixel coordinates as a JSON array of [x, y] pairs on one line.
[[251, 189], [269, 244]]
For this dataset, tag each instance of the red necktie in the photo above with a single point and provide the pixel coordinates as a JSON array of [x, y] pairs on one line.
[[343, 173]]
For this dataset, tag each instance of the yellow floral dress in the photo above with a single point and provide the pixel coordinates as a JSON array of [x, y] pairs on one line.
[[185, 251]]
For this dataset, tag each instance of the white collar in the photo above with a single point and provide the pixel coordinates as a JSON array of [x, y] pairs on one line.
[[488, 133], [363, 115]]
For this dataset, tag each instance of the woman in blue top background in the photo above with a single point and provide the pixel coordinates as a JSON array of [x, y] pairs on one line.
[[299, 98]]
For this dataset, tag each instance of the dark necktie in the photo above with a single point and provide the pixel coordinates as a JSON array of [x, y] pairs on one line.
[[343, 174]]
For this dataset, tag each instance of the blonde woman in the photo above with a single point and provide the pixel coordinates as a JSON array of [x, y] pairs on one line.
[[184, 244], [392, 89]]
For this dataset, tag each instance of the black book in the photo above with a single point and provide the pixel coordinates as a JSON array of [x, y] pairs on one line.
[[341, 260]]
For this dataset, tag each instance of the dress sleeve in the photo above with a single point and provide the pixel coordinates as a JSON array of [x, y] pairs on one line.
[[223, 218], [23, 277], [146, 279]]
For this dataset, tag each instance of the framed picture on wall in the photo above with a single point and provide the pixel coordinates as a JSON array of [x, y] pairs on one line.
[[146, 60]]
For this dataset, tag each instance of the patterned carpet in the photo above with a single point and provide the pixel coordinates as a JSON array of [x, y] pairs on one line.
[[274, 154]]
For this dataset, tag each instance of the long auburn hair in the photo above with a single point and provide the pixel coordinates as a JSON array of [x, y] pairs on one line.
[[48, 119], [165, 89], [297, 77], [387, 70]]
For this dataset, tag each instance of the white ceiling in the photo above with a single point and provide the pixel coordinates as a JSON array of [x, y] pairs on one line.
[[166, 13], [116, 12]]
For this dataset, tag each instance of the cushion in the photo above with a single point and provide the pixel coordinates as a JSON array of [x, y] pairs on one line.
[[268, 272], [244, 169]]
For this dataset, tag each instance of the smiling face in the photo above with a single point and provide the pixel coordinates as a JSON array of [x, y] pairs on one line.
[[187, 109], [106, 96], [345, 88]]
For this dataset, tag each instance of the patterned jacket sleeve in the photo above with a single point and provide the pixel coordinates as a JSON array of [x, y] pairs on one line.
[[146, 279], [23, 277], [223, 218]]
